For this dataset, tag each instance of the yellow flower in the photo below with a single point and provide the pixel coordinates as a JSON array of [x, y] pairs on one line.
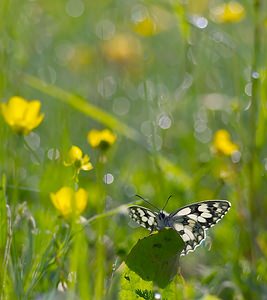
[[22, 115], [76, 158], [101, 139], [230, 12], [146, 27], [68, 202], [222, 143], [152, 20], [123, 49]]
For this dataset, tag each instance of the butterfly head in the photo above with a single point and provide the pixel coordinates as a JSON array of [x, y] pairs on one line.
[[162, 215]]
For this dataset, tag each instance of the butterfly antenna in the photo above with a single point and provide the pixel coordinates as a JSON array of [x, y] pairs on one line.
[[147, 202], [166, 202]]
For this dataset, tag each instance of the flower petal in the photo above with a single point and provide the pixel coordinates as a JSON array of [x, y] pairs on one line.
[[93, 138], [222, 143], [14, 110], [81, 200], [230, 12], [62, 200], [75, 153], [101, 138], [87, 167], [68, 202]]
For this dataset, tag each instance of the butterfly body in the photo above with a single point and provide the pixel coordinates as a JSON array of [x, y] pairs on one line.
[[190, 222]]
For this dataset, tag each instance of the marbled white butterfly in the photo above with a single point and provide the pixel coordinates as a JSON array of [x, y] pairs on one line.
[[190, 221]]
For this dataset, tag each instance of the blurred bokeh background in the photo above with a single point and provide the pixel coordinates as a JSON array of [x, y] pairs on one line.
[[182, 85]]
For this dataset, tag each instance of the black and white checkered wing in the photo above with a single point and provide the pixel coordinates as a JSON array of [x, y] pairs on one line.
[[144, 217], [193, 220]]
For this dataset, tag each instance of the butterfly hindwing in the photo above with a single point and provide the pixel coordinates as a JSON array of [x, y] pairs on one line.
[[143, 216]]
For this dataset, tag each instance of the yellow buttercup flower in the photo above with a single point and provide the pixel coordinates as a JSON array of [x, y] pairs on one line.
[[78, 160], [222, 143], [101, 139], [69, 202], [123, 49], [230, 12], [146, 27], [22, 115], [152, 20]]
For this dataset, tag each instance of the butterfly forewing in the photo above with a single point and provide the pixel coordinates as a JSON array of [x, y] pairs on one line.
[[206, 212], [144, 217]]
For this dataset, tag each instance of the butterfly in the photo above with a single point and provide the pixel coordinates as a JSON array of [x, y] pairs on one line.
[[190, 222]]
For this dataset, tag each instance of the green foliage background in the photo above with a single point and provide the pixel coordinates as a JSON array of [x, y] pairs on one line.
[[196, 79]]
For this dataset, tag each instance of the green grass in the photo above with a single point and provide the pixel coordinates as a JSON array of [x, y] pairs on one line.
[[165, 99]]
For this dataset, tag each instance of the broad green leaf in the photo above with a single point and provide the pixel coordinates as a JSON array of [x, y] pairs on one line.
[[134, 287], [156, 257]]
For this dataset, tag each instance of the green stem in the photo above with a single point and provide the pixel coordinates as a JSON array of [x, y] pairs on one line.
[[107, 214], [253, 118], [7, 250], [111, 212], [100, 249]]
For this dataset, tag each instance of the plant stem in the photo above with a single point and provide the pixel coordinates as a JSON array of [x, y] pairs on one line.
[[7, 250], [6, 236], [100, 249], [253, 118]]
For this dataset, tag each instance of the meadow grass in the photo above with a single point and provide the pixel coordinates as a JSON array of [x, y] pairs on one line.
[[177, 93]]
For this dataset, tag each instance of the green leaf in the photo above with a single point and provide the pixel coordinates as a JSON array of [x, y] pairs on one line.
[[133, 287], [156, 257]]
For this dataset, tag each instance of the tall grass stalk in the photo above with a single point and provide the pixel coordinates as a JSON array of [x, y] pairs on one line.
[[254, 122], [100, 249], [79, 264], [7, 238]]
